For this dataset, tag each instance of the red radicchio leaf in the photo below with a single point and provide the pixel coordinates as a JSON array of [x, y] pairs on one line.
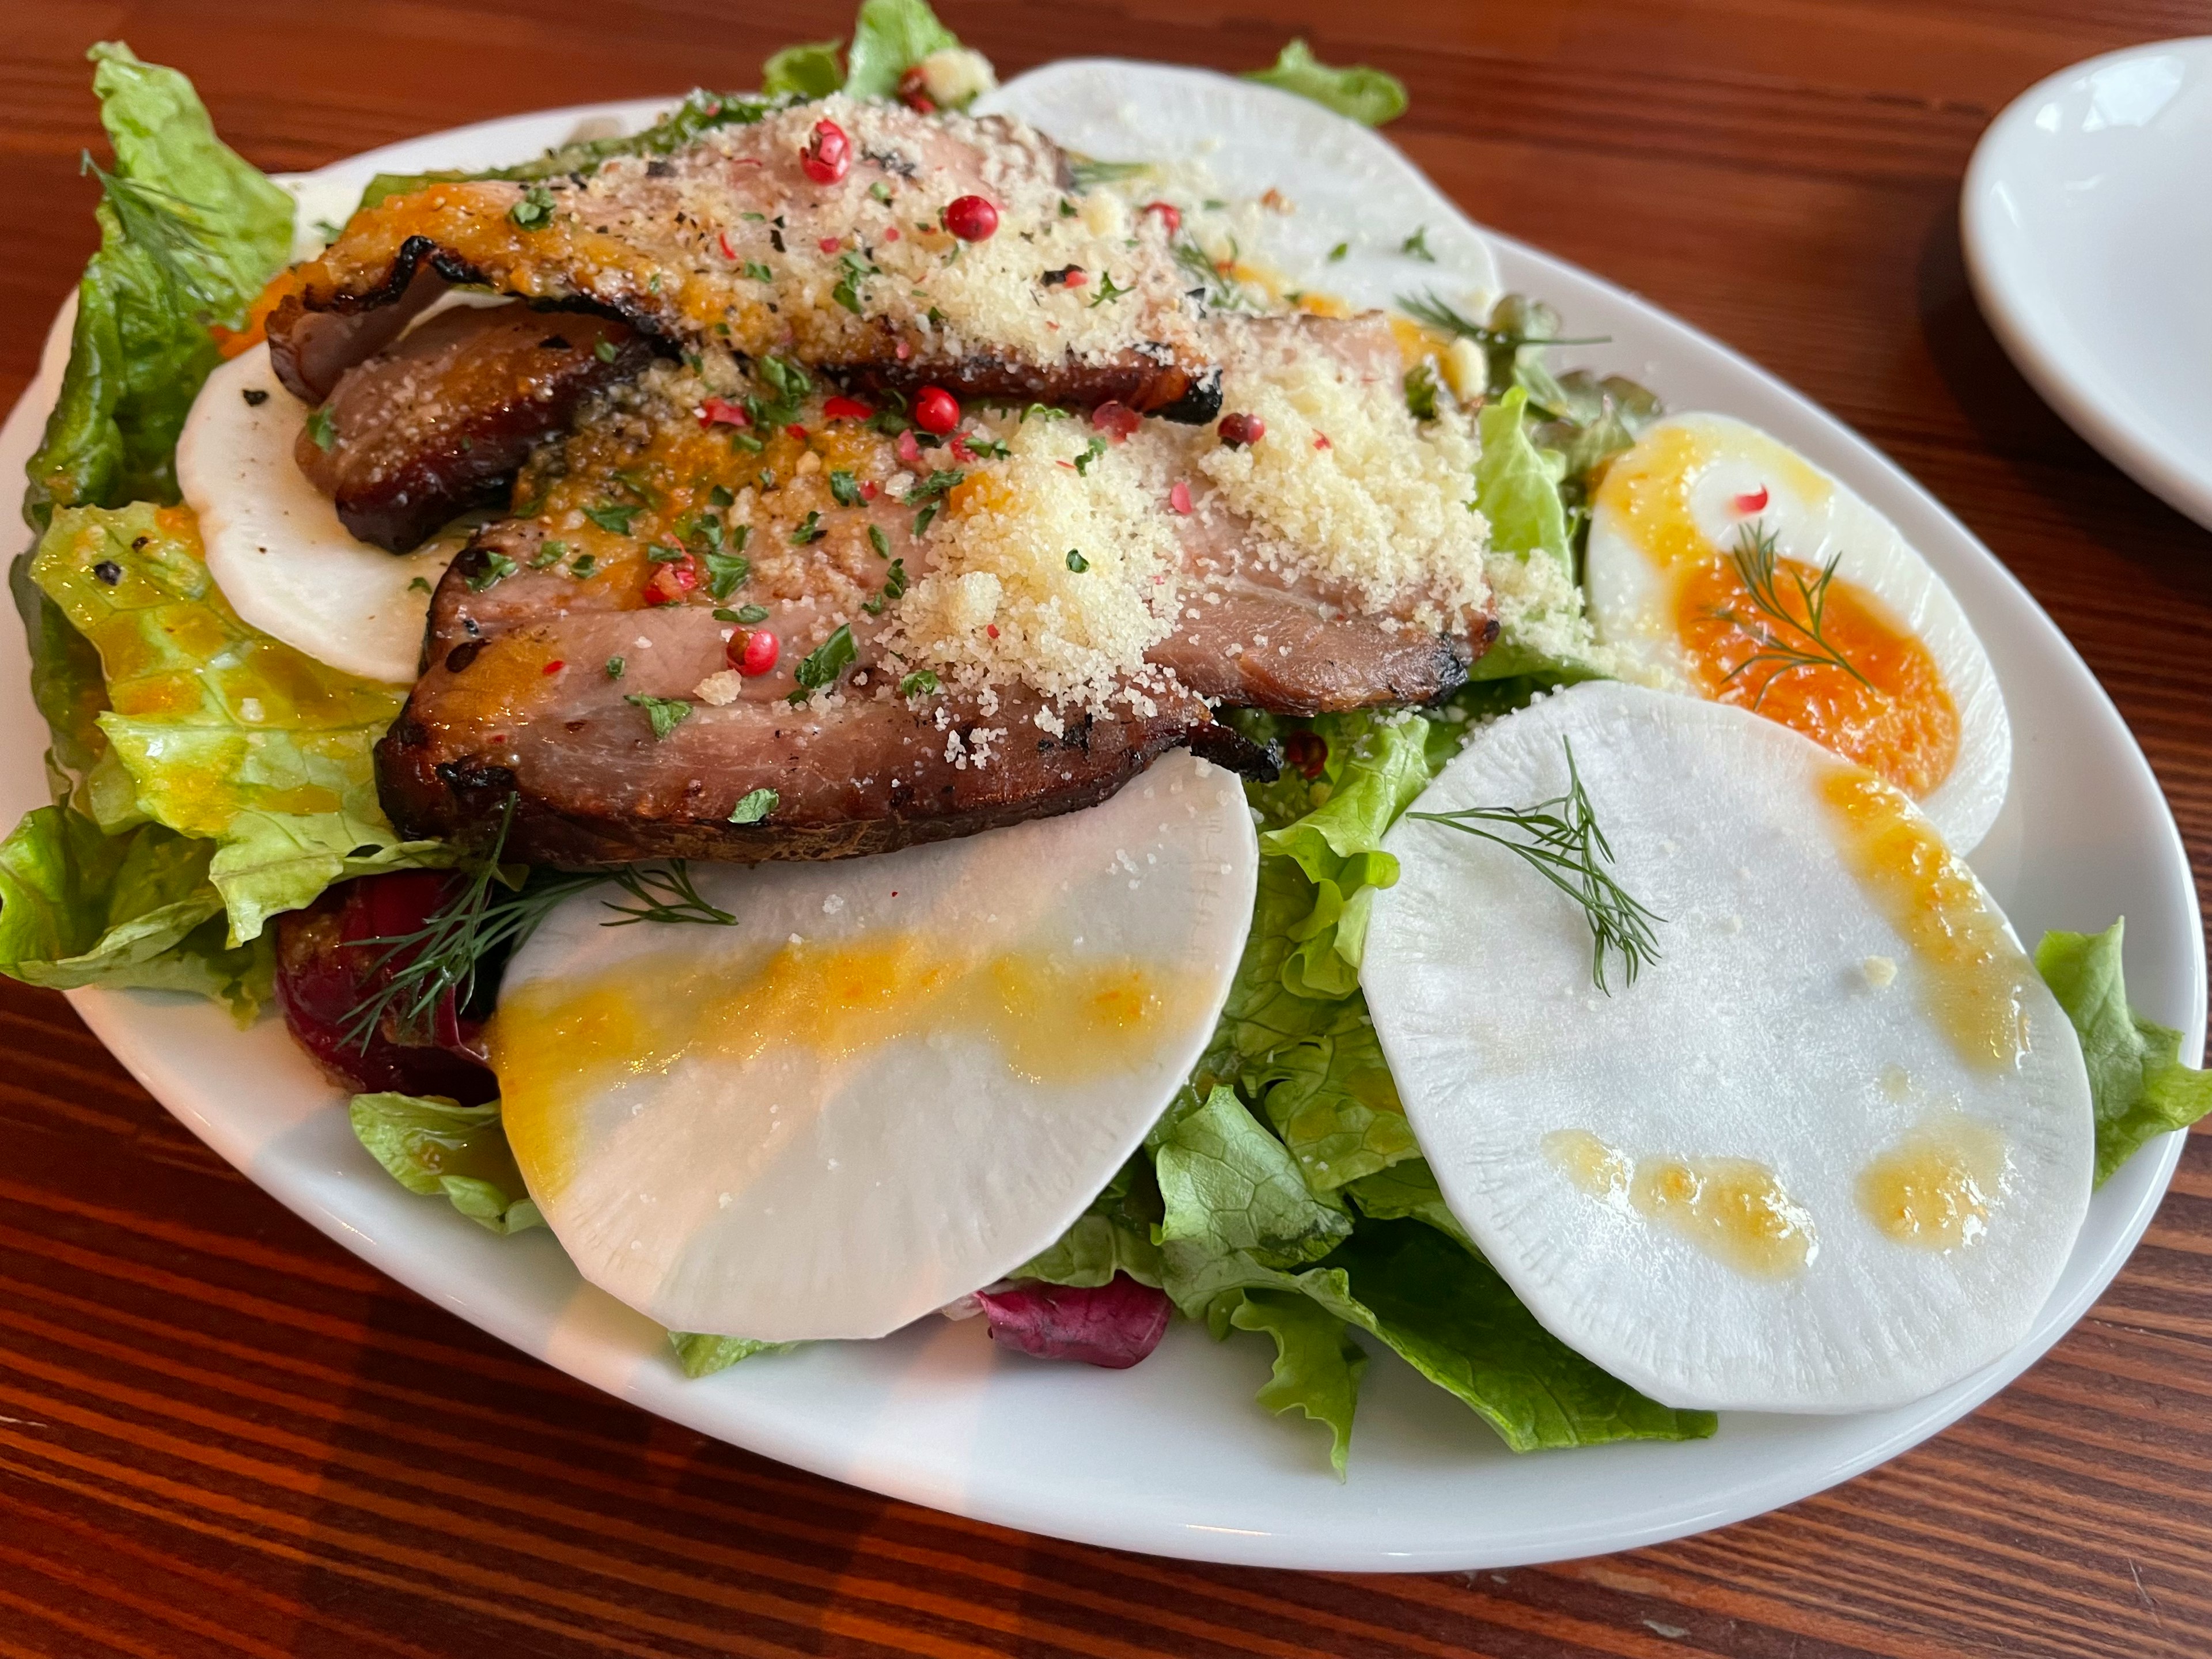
[[324, 971], [1115, 1325]]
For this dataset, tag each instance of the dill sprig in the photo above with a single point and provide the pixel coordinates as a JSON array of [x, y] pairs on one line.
[[1786, 641], [1561, 841], [664, 894], [1085, 172], [1429, 309], [492, 916], [1221, 291]]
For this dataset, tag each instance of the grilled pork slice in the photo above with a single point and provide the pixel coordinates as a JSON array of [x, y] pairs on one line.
[[819, 233], [898, 641], [437, 423]]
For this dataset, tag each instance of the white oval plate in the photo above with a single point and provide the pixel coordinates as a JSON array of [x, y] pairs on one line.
[[2086, 231], [1174, 1458]]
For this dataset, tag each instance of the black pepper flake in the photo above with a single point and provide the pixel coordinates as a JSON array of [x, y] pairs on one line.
[[255, 397], [108, 571], [657, 169]]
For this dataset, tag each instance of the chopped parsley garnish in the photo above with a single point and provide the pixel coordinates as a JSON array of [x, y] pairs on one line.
[[880, 542], [720, 496], [1421, 392], [749, 614], [757, 805], [418, 586], [845, 489], [789, 381], [1091, 452], [662, 553], [1076, 561], [880, 191], [1109, 289], [584, 565], [535, 210], [894, 588], [810, 529], [612, 519], [490, 567], [547, 554], [848, 291], [746, 442], [759, 272], [754, 218], [991, 448], [822, 665], [666, 714], [1416, 246], [322, 431], [726, 572], [605, 351], [613, 668], [937, 484], [920, 684], [1337, 253]]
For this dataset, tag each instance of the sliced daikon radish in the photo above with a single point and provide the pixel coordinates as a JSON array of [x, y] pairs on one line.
[[274, 543], [1335, 184], [1826, 1152], [893, 1081]]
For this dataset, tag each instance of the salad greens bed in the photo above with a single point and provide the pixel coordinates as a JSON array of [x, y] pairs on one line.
[[207, 777]]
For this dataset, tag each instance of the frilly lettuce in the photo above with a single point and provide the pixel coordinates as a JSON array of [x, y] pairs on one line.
[[79, 907], [435, 1146], [189, 234], [2138, 1087], [1318, 1365], [1368, 96], [223, 733]]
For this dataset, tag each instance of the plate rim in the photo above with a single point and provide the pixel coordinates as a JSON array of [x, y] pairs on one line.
[[117, 1019]]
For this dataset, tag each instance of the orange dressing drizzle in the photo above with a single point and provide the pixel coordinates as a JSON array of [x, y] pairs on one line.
[[1733, 1209], [1974, 978], [1051, 1019]]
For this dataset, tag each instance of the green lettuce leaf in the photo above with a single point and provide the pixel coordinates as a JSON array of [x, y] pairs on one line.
[[703, 1356], [1115, 1235], [1408, 1191], [189, 234], [1330, 1097], [225, 733], [1376, 765], [890, 37], [807, 70], [1543, 631], [1455, 1320], [700, 112], [432, 1146], [1366, 95], [1317, 1364], [1229, 1187], [2138, 1086], [81, 907], [71, 695]]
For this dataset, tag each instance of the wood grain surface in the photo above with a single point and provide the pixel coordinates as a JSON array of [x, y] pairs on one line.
[[221, 1434]]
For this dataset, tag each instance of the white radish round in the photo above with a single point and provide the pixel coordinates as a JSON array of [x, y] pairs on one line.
[[893, 1081], [274, 545], [1812, 1157]]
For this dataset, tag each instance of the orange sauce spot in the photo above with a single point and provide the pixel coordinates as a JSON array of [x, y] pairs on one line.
[[1975, 979], [501, 683], [1935, 1190], [1733, 1209], [1898, 720], [1051, 1019]]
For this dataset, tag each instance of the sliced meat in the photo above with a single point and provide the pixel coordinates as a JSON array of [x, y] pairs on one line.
[[553, 641], [524, 701], [438, 423], [732, 245]]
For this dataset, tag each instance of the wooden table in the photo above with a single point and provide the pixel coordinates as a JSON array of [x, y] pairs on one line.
[[221, 1434]]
